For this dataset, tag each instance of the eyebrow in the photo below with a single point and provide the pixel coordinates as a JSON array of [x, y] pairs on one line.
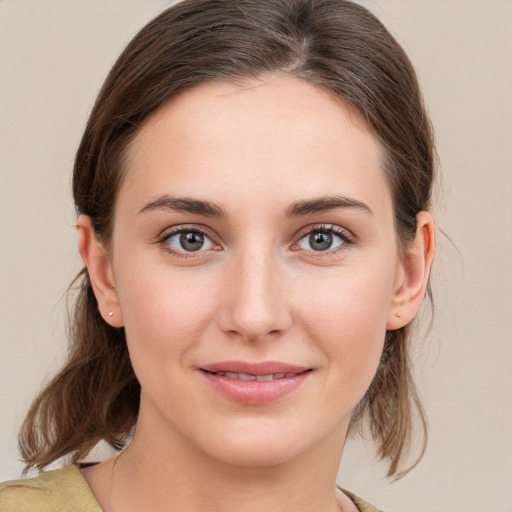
[[209, 209], [323, 204], [184, 204]]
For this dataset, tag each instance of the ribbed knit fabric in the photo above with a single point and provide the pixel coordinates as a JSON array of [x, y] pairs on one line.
[[61, 490]]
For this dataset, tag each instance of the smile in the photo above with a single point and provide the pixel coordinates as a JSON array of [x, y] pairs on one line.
[[261, 378], [255, 384]]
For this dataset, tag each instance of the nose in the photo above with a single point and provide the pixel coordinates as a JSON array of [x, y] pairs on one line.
[[256, 301]]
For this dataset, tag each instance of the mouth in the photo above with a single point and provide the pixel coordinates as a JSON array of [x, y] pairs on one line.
[[255, 384], [246, 377]]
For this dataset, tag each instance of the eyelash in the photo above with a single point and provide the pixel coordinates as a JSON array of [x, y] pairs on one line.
[[163, 241], [346, 239]]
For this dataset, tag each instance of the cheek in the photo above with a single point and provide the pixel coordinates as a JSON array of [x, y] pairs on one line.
[[164, 314], [348, 320]]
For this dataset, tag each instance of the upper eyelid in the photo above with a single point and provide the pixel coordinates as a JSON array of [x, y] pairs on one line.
[[169, 232], [325, 227]]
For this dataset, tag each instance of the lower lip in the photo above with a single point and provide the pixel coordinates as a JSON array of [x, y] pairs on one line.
[[254, 392]]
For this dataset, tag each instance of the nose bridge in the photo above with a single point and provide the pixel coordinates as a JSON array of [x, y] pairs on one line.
[[256, 304]]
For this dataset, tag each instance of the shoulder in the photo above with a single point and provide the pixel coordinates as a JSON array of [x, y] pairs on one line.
[[61, 490], [361, 505]]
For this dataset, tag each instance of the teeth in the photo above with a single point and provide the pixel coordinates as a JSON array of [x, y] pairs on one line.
[[246, 376], [264, 377], [261, 378]]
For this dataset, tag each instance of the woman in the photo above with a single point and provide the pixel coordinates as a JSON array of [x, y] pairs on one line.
[[252, 190]]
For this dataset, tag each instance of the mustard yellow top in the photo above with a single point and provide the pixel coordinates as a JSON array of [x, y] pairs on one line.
[[65, 490]]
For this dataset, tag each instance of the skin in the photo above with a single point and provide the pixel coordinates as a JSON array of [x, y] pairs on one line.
[[258, 292]]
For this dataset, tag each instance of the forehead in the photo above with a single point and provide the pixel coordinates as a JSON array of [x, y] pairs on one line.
[[278, 136]]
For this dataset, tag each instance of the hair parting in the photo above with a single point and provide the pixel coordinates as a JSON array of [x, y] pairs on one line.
[[336, 45]]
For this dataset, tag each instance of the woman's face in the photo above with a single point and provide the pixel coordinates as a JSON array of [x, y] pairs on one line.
[[255, 260]]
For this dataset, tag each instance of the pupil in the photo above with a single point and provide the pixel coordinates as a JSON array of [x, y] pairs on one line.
[[320, 241], [191, 241]]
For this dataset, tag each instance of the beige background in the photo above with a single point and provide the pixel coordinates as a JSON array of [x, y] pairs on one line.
[[53, 57]]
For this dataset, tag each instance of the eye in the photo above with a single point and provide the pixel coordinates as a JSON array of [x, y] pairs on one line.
[[188, 240], [323, 239]]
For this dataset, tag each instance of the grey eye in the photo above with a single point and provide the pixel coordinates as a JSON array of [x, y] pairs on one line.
[[189, 241], [321, 240]]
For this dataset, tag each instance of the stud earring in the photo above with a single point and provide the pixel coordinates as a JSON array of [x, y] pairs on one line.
[[110, 313]]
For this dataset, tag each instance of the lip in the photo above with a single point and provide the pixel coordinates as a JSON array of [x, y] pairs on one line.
[[286, 379]]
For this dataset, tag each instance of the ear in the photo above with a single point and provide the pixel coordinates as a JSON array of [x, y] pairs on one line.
[[413, 274], [99, 267]]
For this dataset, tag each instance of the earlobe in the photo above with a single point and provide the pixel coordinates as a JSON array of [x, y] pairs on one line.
[[99, 267], [413, 275]]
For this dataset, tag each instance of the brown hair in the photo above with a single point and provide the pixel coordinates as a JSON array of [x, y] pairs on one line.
[[335, 44]]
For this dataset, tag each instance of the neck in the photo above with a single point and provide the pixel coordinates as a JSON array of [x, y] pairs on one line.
[[159, 469]]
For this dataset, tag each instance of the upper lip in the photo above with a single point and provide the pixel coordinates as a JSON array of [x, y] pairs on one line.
[[263, 368]]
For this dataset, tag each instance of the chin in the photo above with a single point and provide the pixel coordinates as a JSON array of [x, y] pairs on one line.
[[261, 453], [261, 443]]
